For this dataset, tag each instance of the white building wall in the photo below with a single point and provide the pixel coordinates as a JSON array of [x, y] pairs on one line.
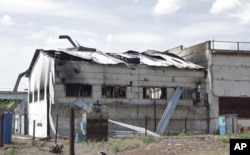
[[231, 75], [41, 77]]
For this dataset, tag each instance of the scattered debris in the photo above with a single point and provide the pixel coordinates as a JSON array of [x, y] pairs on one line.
[[56, 148]]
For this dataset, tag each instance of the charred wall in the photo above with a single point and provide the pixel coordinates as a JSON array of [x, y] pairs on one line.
[[133, 106]]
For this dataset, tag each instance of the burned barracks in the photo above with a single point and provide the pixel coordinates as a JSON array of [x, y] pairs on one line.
[[128, 86]]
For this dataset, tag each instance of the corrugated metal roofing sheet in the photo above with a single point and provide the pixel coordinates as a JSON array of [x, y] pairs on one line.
[[98, 57], [150, 58]]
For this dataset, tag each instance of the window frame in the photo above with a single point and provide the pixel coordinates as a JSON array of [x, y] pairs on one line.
[[164, 95], [78, 90], [113, 90]]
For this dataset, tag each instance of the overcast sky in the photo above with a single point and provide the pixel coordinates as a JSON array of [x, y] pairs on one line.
[[112, 26]]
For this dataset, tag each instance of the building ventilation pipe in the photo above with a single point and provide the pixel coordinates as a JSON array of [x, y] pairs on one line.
[[18, 80], [70, 40]]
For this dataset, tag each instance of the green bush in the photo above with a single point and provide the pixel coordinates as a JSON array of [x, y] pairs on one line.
[[185, 133], [243, 136], [147, 139], [10, 151], [115, 148]]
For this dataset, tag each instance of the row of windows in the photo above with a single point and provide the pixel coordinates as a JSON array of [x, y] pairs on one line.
[[85, 90], [36, 96]]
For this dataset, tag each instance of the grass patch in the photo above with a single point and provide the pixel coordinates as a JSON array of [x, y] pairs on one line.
[[119, 145], [226, 138], [147, 139], [10, 151], [243, 136], [115, 148], [185, 133]]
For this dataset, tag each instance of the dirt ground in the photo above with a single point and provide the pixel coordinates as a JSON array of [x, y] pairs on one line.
[[169, 145]]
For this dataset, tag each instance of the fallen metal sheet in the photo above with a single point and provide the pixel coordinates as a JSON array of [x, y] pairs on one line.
[[169, 111], [136, 128]]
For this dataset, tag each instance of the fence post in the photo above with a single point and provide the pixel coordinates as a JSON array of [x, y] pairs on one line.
[[155, 115], [34, 132], [213, 44], [101, 126], [185, 124], [146, 125], [1, 134], [71, 134], [56, 128], [232, 125]]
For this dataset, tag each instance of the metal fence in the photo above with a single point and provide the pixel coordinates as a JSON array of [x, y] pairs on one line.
[[230, 45], [188, 125]]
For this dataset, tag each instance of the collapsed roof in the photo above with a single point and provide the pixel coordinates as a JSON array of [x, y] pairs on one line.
[[81, 53], [149, 57]]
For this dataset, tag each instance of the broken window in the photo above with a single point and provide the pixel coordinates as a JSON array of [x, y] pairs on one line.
[[187, 93], [30, 97], [41, 94], [74, 90], [114, 91], [35, 96], [154, 93]]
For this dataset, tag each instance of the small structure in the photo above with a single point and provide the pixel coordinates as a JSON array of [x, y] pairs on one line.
[[228, 124], [16, 102], [96, 126]]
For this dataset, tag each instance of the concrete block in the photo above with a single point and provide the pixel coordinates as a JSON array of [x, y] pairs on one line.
[[231, 73], [187, 79], [91, 67], [231, 88], [166, 78], [116, 70], [232, 60], [143, 71], [152, 71]]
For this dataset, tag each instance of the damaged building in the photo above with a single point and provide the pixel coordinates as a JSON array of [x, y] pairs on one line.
[[227, 81], [128, 86]]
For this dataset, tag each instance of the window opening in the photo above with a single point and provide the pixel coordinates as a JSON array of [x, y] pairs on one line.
[[114, 91], [74, 90], [35, 96], [30, 97], [154, 93], [41, 94], [187, 93]]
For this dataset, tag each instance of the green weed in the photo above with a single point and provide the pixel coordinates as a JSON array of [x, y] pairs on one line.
[[115, 148], [147, 139], [226, 138], [10, 151]]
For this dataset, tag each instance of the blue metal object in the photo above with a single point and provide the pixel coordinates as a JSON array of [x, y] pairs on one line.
[[79, 137], [169, 111], [83, 126], [222, 129], [7, 127], [222, 124], [222, 120]]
